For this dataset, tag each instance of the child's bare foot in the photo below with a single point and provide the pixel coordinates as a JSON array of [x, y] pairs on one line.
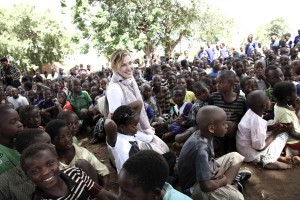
[[285, 159], [296, 159], [278, 165]]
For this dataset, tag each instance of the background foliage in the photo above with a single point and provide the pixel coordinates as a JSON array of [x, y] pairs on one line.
[[146, 24], [31, 37]]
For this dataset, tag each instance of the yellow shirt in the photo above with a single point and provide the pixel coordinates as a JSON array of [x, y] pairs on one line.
[[286, 116], [189, 97], [83, 153]]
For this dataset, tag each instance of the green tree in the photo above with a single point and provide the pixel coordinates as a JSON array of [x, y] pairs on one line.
[[145, 24], [278, 26], [31, 37]]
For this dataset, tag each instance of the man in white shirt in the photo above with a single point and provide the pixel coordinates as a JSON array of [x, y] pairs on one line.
[[16, 99]]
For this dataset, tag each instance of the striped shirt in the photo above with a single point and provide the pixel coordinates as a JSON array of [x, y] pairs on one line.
[[80, 186], [234, 110], [163, 99]]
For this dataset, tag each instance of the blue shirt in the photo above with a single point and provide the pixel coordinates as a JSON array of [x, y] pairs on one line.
[[210, 53], [172, 194], [250, 47], [297, 39]]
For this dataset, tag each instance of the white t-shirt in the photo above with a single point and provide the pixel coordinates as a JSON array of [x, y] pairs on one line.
[[20, 101], [123, 145]]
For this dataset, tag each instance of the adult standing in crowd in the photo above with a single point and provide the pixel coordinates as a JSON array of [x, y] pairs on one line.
[[123, 88], [251, 45], [9, 74]]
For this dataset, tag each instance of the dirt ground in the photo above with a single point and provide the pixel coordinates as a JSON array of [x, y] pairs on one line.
[[264, 184]]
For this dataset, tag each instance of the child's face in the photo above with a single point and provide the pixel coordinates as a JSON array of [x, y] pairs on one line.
[[220, 127], [128, 189], [131, 127], [103, 85], [10, 125], [289, 75], [186, 73], [201, 93], [47, 96], [147, 93], [85, 87], [73, 123], [156, 82], [34, 119], [275, 76], [224, 85], [62, 98], [284, 60], [195, 75], [259, 69], [172, 81], [76, 87], [181, 82], [43, 169], [178, 97], [31, 96], [250, 86], [94, 92], [63, 139], [238, 68]]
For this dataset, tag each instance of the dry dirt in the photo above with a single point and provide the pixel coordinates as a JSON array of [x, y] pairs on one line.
[[264, 184]]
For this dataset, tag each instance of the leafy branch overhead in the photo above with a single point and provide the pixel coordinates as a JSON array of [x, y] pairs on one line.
[[31, 37], [143, 25]]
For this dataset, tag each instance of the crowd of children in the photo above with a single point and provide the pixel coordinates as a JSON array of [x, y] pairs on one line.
[[214, 113]]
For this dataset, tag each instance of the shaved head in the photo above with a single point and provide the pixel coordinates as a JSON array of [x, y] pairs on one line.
[[208, 115], [256, 100]]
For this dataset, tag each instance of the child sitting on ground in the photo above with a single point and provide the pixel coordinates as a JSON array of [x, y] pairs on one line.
[[233, 104], [201, 91], [143, 176], [14, 183], [252, 140], [248, 84], [62, 103], [189, 95], [124, 139], [39, 162], [212, 178], [180, 113], [48, 108], [285, 111], [69, 153], [30, 116], [73, 122], [10, 127]]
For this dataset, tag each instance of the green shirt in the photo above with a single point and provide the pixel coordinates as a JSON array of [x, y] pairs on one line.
[[9, 158], [82, 100]]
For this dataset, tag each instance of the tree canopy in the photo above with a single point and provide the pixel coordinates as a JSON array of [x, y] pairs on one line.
[[143, 25], [277, 26], [31, 37]]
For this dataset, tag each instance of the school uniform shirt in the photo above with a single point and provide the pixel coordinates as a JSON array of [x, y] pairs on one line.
[[9, 158], [18, 102], [83, 153], [79, 184]]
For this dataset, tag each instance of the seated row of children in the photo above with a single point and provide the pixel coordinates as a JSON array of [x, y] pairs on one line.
[[47, 165], [187, 99]]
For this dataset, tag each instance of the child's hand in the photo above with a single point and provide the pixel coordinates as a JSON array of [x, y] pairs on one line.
[[219, 173]]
